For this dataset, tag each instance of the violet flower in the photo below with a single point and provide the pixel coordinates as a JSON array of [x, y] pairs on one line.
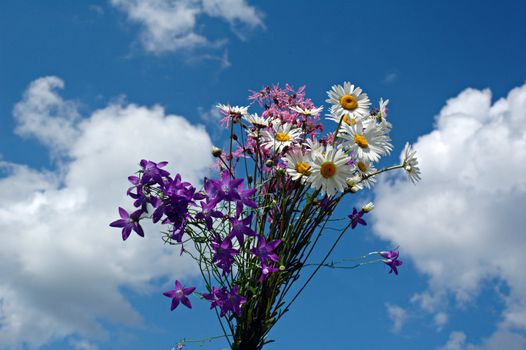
[[179, 294], [129, 222], [224, 189], [232, 302], [224, 253], [207, 212], [356, 218], [393, 264], [241, 228], [390, 254], [265, 250], [152, 172], [266, 270]]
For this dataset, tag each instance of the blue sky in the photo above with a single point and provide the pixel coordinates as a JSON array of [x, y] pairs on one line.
[[79, 86]]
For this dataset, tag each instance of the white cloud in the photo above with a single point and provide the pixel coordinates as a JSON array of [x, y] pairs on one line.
[[499, 340], [464, 223], [170, 26], [43, 114], [456, 341], [63, 268], [398, 316], [440, 319]]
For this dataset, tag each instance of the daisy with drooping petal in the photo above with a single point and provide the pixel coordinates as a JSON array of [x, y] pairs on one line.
[[256, 121], [348, 99], [281, 136], [232, 112], [366, 143], [329, 170], [298, 165], [365, 168], [313, 145], [410, 164], [382, 111], [306, 111], [345, 118]]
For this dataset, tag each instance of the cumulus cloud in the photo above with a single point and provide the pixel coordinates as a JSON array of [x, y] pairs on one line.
[[463, 224], [499, 340], [398, 316], [63, 268], [43, 114], [170, 26]]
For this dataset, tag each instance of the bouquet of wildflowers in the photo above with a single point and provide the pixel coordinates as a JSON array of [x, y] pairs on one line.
[[252, 229]]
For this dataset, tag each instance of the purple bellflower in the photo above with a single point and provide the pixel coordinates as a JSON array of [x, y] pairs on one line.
[[266, 270], [390, 254], [356, 218], [207, 213], [224, 189], [227, 301], [265, 250], [224, 253], [391, 259], [128, 222], [152, 172], [241, 228], [393, 264], [179, 295]]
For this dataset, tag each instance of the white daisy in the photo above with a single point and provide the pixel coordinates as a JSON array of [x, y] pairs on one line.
[[330, 170], [410, 163], [233, 110], [381, 117], [314, 145], [256, 121], [382, 111], [306, 111], [348, 100], [298, 165], [352, 120], [364, 168], [366, 143], [281, 136]]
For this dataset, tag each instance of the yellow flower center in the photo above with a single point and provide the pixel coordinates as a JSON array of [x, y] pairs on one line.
[[348, 102], [348, 121], [303, 168], [361, 165], [328, 169], [282, 137], [361, 141]]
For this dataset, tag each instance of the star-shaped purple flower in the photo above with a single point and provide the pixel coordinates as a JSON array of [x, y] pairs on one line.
[[390, 254], [179, 295], [207, 213], [129, 222], [224, 253], [224, 189], [356, 218], [265, 250], [266, 270], [241, 228], [152, 172], [393, 264]]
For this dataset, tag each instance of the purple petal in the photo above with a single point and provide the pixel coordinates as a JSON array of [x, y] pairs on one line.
[[123, 213], [175, 303], [186, 302]]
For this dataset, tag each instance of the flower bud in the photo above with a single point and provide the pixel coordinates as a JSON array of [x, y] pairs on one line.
[[216, 151], [269, 163], [352, 181], [354, 189], [282, 267], [368, 207]]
